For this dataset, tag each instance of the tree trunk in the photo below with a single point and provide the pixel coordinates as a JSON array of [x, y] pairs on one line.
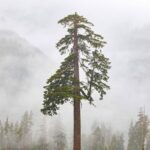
[[77, 122]]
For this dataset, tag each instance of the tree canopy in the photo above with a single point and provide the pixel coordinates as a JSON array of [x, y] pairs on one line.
[[60, 86]]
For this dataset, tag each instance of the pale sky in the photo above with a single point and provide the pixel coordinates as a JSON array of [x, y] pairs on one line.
[[124, 24]]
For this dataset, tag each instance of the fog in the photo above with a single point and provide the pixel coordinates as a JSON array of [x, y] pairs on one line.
[[124, 24]]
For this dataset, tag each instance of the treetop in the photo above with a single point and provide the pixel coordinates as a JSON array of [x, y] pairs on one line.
[[74, 18]]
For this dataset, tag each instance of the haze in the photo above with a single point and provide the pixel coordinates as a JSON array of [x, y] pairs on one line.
[[124, 24]]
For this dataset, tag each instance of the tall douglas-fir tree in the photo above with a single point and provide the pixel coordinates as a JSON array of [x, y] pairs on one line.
[[83, 46]]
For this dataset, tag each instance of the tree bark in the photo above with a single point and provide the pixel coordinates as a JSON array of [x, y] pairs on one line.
[[77, 120]]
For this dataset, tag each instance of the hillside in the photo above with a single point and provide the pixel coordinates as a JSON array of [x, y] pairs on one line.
[[20, 64]]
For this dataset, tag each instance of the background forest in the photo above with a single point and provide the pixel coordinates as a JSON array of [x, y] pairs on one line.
[[25, 134]]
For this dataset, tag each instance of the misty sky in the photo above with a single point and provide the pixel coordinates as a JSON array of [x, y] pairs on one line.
[[124, 24]]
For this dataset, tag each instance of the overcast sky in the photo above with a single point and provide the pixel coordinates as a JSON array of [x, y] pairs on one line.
[[125, 25]]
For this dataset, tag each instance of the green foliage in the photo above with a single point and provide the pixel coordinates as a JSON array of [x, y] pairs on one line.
[[60, 87]]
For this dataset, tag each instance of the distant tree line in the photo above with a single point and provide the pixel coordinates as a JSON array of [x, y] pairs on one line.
[[22, 136], [102, 138], [16, 136]]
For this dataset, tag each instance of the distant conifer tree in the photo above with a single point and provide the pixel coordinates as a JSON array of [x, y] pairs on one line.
[[138, 132]]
